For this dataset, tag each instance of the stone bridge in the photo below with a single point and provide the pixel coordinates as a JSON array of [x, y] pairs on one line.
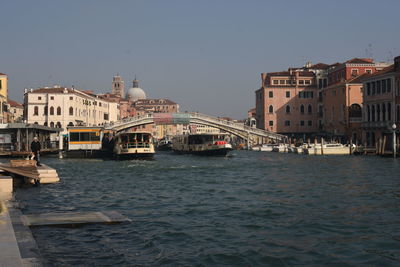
[[251, 135]]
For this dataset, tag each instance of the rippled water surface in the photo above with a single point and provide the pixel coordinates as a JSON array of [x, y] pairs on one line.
[[250, 209]]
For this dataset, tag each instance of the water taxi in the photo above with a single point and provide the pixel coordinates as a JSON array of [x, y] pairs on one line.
[[201, 144], [134, 145]]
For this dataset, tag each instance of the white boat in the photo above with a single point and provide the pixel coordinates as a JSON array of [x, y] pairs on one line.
[[327, 149], [283, 148], [266, 147], [134, 145]]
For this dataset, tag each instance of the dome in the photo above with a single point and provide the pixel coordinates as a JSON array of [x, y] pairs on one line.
[[135, 93]]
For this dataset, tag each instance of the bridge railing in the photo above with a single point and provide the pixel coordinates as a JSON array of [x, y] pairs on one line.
[[238, 126]]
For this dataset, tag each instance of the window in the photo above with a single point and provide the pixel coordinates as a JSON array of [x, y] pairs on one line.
[[301, 123], [368, 88], [309, 109], [389, 85], [35, 111], [307, 82], [320, 83], [271, 94], [287, 81], [383, 86], [52, 111], [309, 123], [51, 97], [287, 123], [368, 71], [106, 116], [39, 98], [71, 98], [378, 87], [71, 111], [373, 88], [271, 109], [46, 110], [52, 124], [287, 94], [301, 81], [294, 82], [271, 123], [389, 111], [59, 111], [287, 109], [302, 109], [45, 124], [281, 82], [354, 72], [58, 125], [275, 82]]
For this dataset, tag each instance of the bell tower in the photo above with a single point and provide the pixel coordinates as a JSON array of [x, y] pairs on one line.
[[118, 86]]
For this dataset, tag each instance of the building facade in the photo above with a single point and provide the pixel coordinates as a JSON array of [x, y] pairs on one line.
[[381, 102], [61, 107], [15, 111], [287, 102], [342, 110], [3, 97]]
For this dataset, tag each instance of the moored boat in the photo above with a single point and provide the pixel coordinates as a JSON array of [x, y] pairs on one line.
[[201, 144], [327, 149], [134, 145]]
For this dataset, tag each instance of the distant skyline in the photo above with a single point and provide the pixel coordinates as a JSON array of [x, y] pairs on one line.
[[205, 55]]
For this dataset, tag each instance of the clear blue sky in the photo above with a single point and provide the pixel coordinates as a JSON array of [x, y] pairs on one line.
[[206, 55]]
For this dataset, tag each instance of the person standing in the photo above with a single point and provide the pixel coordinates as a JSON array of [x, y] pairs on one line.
[[35, 148]]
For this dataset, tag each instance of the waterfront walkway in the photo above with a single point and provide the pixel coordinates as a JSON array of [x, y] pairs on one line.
[[13, 252], [9, 251]]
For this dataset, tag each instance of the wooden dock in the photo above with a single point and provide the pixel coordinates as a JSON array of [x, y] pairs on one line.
[[27, 168]]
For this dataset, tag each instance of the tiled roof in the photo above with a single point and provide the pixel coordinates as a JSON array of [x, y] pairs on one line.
[[2, 73], [14, 103], [360, 61], [322, 66]]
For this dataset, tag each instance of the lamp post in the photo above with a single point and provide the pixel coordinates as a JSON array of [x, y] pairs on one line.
[[394, 139]]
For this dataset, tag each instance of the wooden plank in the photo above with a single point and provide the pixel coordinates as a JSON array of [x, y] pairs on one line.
[[73, 218], [22, 163]]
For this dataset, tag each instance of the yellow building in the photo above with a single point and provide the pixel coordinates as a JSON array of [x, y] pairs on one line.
[[3, 97], [3, 85]]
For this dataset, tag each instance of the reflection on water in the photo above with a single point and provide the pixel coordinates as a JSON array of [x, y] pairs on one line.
[[252, 209]]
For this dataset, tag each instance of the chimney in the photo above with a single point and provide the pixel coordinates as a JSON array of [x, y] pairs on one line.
[[25, 90]]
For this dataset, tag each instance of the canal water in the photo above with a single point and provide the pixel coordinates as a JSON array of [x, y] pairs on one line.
[[249, 209]]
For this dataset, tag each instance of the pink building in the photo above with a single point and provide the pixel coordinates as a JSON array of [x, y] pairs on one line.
[[287, 102], [342, 99]]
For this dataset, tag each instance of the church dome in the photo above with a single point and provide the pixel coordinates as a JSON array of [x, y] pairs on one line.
[[135, 93]]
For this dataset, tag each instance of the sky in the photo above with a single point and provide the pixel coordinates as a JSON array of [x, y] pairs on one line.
[[206, 55]]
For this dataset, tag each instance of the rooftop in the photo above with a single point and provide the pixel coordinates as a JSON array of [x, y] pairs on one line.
[[360, 61], [14, 103]]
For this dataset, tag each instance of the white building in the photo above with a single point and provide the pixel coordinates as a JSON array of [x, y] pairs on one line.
[[61, 107]]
